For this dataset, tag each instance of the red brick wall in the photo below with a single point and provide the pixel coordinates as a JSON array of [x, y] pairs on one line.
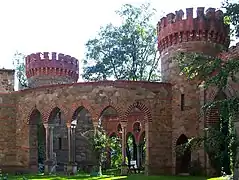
[[152, 99]]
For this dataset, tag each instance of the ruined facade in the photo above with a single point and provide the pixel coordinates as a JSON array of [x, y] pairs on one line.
[[165, 114]]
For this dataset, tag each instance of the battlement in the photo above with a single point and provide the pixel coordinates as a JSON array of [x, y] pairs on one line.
[[53, 64], [206, 26]]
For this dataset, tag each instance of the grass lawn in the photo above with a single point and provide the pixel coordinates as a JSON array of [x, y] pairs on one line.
[[87, 177]]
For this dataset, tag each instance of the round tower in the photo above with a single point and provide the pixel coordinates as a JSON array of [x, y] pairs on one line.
[[51, 68], [204, 33]]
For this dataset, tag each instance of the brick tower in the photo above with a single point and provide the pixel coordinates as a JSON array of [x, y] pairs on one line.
[[205, 33], [51, 68]]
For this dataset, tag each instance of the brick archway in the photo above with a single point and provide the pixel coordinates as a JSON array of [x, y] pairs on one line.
[[182, 160], [29, 113], [142, 107], [115, 107], [47, 111], [36, 140], [84, 104]]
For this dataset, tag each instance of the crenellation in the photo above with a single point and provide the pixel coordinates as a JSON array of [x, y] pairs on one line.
[[179, 15], [210, 14], [51, 64], [200, 13], [189, 13], [207, 26]]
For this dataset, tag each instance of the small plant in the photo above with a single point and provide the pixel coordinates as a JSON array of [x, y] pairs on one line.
[[2, 176]]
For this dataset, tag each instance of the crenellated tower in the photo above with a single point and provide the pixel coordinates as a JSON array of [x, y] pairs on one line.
[[51, 68], [204, 33]]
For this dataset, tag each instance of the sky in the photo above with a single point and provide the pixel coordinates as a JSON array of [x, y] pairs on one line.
[[64, 26]]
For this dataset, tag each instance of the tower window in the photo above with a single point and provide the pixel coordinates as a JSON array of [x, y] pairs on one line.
[[59, 143], [182, 102]]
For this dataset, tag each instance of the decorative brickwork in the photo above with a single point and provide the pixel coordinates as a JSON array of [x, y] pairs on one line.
[[51, 68], [208, 26]]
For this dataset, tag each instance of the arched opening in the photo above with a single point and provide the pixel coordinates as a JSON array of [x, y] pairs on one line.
[[131, 149], [114, 155], [136, 126], [37, 142], [60, 148], [183, 159], [82, 148], [109, 121]]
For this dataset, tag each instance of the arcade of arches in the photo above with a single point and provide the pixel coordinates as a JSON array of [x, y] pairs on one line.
[[64, 142], [51, 125]]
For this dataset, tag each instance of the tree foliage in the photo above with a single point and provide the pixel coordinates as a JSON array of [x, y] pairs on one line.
[[116, 155], [100, 142], [20, 68], [232, 14], [219, 142], [124, 52]]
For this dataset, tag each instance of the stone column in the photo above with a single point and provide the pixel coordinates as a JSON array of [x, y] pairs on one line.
[[95, 124], [123, 145], [47, 141], [138, 155], [69, 142], [124, 142], [73, 138], [147, 148], [51, 128], [49, 164], [71, 167]]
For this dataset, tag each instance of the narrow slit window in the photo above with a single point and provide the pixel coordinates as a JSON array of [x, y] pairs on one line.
[[182, 102]]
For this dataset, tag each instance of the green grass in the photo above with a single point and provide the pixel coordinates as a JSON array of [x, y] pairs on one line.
[[87, 177]]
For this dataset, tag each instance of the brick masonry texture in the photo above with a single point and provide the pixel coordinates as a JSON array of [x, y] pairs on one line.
[[123, 96], [206, 34], [156, 106]]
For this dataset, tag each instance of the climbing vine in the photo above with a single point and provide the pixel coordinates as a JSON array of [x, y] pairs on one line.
[[219, 141]]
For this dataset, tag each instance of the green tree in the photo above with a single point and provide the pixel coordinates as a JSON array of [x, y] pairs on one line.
[[20, 68], [232, 14], [124, 52], [116, 155]]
